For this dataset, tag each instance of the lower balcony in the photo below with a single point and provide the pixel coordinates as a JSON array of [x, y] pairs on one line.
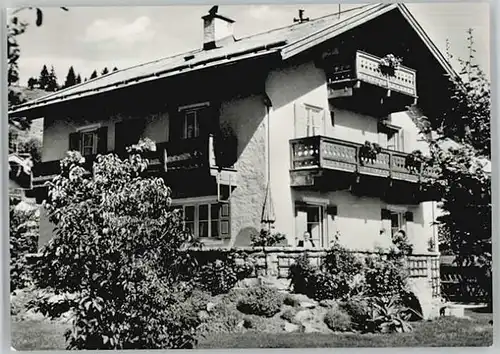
[[326, 163]]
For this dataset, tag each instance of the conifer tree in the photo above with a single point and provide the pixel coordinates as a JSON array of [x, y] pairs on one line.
[[44, 78], [70, 78], [93, 75]]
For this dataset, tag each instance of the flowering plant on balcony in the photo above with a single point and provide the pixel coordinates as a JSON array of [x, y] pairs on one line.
[[389, 64], [414, 161], [369, 150]]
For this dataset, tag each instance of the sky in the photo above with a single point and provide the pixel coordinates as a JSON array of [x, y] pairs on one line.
[[89, 38]]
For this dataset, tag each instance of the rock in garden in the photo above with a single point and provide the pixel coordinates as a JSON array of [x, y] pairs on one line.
[[290, 327], [303, 315], [307, 305]]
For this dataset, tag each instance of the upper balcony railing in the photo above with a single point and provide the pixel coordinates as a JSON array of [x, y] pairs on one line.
[[366, 68], [334, 154]]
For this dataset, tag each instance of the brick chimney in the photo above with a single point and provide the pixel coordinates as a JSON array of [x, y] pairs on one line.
[[216, 29]]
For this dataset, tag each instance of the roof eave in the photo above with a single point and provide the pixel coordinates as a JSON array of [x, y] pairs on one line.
[[325, 34]]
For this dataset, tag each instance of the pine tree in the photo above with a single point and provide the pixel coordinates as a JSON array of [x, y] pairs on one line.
[[70, 78], [78, 79], [93, 75], [52, 84], [104, 71], [115, 69], [44, 78]]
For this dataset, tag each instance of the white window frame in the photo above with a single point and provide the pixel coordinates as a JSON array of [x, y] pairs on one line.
[[85, 130], [207, 201], [314, 128], [311, 204], [192, 109], [400, 212]]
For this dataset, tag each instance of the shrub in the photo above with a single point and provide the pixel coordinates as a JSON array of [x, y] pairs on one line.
[[289, 315], [389, 316], [52, 305], [23, 238], [338, 320], [291, 301], [384, 277], [300, 274], [266, 238], [217, 277], [261, 301], [326, 286], [360, 311], [199, 300], [120, 248]]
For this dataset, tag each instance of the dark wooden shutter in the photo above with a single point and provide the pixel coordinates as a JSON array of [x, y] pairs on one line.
[[409, 216], [385, 214], [102, 140], [74, 141], [175, 121], [225, 220], [331, 210]]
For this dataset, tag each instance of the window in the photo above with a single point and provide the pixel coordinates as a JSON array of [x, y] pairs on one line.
[[314, 120], [395, 140], [398, 222], [207, 220], [309, 218], [191, 125], [309, 120], [88, 143]]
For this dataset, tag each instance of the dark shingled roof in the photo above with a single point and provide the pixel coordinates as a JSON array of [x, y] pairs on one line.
[[254, 45]]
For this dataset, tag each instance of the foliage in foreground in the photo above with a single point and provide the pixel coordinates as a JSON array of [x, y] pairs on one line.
[[23, 237], [121, 249], [261, 301]]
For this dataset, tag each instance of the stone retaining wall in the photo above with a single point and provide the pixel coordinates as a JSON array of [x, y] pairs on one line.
[[272, 264]]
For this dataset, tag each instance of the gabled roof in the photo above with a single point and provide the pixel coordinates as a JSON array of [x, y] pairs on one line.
[[287, 41]]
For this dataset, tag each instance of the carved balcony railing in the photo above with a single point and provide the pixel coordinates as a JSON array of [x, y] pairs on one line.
[[320, 152], [365, 68]]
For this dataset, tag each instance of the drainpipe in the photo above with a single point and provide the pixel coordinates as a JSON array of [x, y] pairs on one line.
[[267, 103]]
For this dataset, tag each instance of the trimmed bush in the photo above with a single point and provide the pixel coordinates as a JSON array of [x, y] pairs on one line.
[[217, 277], [360, 311], [261, 301], [289, 315], [338, 320], [199, 300], [300, 274], [290, 300], [385, 277]]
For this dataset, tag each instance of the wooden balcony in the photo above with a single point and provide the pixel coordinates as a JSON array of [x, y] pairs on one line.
[[357, 82], [334, 164], [178, 158]]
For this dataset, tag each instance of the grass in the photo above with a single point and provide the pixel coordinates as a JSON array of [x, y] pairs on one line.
[[38, 335], [442, 332]]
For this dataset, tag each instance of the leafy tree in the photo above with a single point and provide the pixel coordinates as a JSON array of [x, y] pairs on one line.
[[93, 75], [33, 146], [461, 180], [52, 84], [44, 78], [23, 236], [467, 117], [120, 247], [70, 78], [104, 71], [78, 79], [15, 27], [32, 82]]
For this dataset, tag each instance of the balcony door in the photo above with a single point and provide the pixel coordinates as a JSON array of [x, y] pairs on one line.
[[309, 120]]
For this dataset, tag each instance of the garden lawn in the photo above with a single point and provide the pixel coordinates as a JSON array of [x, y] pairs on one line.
[[443, 332]]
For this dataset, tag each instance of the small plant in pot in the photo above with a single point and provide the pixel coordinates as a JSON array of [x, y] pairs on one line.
[[389, 64], [369, 151], [225, 145], [414, 161]]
